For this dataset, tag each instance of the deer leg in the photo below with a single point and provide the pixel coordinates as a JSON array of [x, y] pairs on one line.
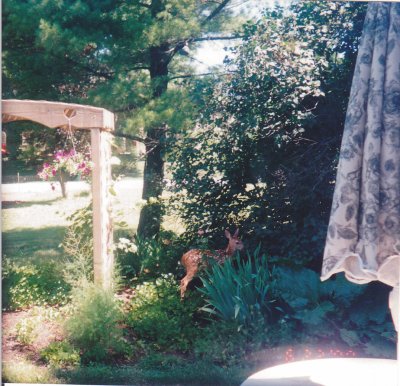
[[184, 283], [186, 280]]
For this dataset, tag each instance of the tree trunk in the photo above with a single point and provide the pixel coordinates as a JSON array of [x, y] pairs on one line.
[[62, 178], [151, 213]]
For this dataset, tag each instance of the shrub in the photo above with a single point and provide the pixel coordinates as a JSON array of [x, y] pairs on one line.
[[160, 319], [263, 153], [94, 325], [26, 330], [223, 344], [336, 310], [60, 354], [239, 290], [152, 258], [27, 284], [78, 246]]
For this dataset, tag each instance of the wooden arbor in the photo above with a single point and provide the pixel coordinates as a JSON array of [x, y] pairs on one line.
[[100, 122]]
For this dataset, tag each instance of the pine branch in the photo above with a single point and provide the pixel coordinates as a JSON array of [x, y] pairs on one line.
[[216, 11], [106, 75]]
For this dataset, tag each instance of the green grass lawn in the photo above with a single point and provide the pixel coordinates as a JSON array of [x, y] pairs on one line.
[[187, 373], [33, 244]]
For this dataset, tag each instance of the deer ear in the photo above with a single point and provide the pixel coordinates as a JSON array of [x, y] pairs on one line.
[[236, 234], [227, 234]]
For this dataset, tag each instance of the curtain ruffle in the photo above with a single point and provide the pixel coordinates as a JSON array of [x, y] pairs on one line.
[[363, 238]]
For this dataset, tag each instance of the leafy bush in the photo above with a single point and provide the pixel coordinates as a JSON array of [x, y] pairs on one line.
[[94, 325], [60, 354], [152, 258], [28, 284], [240, 290], [26, 330], [223, 344], [160, 319], [264, 154], [336, 310]]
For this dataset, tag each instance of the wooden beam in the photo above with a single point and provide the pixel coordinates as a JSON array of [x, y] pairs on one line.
[[103, 259], [57, 114], [101, 124]]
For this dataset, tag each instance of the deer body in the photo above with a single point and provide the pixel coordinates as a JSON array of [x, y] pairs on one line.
[[193, 260]]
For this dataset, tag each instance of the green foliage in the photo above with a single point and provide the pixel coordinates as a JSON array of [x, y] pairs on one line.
[[41, 143], [335, 310], [104, 52], [263, 155], [153, 257], [240, 290], [94, 324], [223, 344], [25, 372], [127, 57], [60, 354], [160, 320], [28, 284], [78, 246], [26, 330], [35, 148]]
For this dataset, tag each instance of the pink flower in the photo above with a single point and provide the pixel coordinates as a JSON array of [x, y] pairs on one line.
[[59, 154], [54, 172]]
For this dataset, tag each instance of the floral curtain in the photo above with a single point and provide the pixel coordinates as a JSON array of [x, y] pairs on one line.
[[363, 238]]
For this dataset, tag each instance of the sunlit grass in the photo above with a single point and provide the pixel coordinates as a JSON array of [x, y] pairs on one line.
[[27, 372]]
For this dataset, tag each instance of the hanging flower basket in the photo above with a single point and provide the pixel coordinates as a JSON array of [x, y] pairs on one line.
[[66, 164]]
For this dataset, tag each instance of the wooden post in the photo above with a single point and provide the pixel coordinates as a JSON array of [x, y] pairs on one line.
[[100, 122], [103, 259]]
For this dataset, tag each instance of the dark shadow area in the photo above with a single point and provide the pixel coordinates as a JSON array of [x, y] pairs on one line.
[[194, 374], [26, 204], [25, 242]]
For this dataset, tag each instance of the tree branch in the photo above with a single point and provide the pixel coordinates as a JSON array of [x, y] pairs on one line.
[[208, 38], [107, 75], [143, 67], [215, 12], [183, 76], [183, 43]]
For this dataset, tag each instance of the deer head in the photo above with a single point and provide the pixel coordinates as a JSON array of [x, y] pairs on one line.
[[234, 243]]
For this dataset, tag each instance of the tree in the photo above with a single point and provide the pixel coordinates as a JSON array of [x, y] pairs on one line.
[[263, 158], [118, 55]]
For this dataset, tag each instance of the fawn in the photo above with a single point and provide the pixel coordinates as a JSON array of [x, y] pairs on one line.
[[193, 259]]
